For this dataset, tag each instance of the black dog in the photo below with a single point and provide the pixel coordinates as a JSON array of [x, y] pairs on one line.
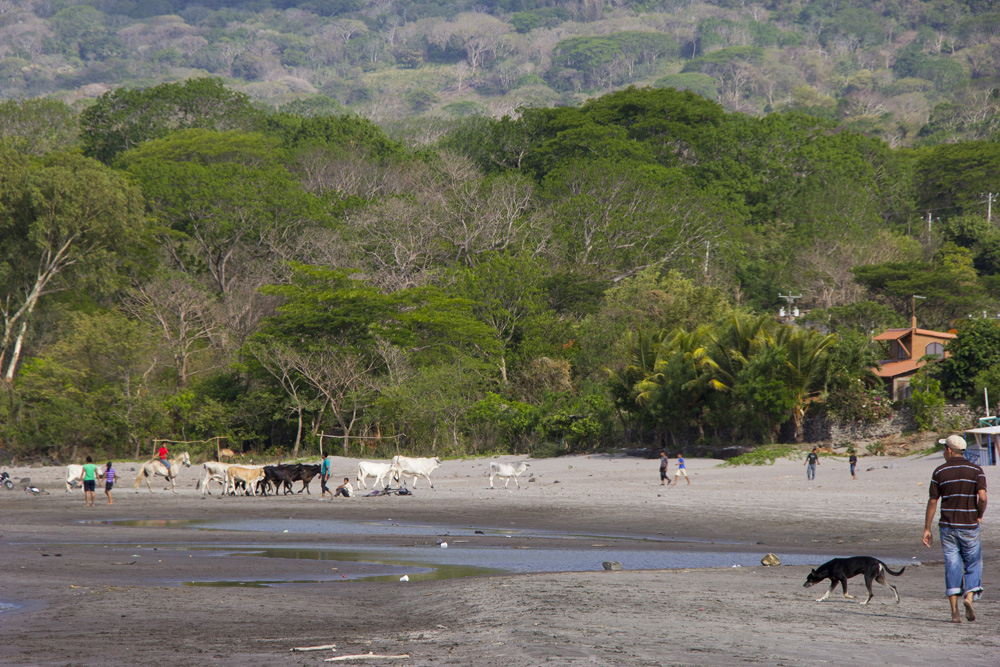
[[839, 570]]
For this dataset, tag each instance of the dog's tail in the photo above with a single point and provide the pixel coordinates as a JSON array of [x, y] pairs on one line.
[[895, 574]]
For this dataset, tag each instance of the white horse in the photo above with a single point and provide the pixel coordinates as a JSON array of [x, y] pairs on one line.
[[154, 467], [74, 476]]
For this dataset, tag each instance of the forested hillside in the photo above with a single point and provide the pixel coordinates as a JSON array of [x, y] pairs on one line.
[[913, 72], [177, 263]]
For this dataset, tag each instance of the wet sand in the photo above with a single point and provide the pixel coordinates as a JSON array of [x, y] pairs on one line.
[[88, 591]]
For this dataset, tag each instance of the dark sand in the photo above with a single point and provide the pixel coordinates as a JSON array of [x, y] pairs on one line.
[[114, 594]]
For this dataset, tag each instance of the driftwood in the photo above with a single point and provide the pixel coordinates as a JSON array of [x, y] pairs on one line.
[[367, 656], [324, 647]]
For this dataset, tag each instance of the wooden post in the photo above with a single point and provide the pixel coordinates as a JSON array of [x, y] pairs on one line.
[[321, 457]]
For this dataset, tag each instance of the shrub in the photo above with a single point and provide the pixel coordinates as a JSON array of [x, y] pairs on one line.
[[765, 455], [858, 403]]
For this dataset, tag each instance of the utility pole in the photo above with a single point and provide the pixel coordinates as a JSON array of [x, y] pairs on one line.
[[913, 309], [929, 221], [790, 298], [990, 197]]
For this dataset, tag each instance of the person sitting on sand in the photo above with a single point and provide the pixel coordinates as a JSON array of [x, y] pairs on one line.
[[344, 489]]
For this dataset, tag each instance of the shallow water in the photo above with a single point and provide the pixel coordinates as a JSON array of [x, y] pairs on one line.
[[381, 528], [426, 562]]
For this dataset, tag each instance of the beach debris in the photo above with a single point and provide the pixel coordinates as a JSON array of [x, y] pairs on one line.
[[479, 532], [324, 647], [770, 559], [405, 577], [444, 545], [612, 565], [737, 565], [368, 656]]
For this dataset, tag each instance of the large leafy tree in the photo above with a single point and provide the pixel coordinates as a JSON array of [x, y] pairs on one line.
[[66, 221], [975, 350], [124, 118], [226, 205]]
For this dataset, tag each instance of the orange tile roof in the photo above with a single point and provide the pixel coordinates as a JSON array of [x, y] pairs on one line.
[[893, 334], [892, 369]]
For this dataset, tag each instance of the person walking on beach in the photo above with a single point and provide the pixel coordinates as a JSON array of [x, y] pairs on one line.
[[681, 469], [961, 487], [664, 464], [324, 477], [854, 462], [89, 481], [109, 482], [812, 460]]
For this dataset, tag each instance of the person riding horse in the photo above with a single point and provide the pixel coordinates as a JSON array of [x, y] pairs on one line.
[[162, 455]]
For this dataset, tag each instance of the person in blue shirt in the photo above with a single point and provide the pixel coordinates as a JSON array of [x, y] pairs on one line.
[[324, 477], [681, 470]]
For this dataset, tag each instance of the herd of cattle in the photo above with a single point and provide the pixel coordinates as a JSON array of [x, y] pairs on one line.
[[264, 479]]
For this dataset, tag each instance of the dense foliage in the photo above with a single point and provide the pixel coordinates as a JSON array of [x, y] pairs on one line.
[[913, 72], [177, 263]]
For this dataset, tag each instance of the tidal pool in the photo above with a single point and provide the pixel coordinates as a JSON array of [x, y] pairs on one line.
[[574, 553]]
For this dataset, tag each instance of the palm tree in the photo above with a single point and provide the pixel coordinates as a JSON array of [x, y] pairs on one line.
[[808, 355]]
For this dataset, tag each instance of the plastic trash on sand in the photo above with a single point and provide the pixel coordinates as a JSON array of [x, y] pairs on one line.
[[405, 577]]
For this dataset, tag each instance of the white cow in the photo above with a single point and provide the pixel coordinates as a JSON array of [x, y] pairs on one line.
[[213, 471], [376, 469], [506, 471], [74, 475], [246, 474], [404, 465]]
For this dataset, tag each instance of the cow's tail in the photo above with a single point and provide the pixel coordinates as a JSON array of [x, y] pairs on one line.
[[895, 574]]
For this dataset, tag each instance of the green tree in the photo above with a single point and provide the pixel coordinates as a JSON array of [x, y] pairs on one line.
[[38, 126], [124, 118], [94, 388], [505, 291], [225, 205], [975, 349], [65, 222], [928, 401]]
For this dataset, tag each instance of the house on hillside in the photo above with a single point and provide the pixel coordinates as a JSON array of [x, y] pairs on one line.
[[907, 349]]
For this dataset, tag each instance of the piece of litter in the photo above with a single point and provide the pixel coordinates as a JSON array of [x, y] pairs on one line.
[[405, 577], [324, 647], [444, 545], [368, 656], [285, 530]]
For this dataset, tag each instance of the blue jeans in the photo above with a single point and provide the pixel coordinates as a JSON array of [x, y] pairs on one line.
[[963, 561], [811, 471]]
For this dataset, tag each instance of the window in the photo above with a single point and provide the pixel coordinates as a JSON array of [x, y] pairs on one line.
[[934, 349]]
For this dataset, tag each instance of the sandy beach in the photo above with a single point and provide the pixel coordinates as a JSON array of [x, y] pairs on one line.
[[110, 585]]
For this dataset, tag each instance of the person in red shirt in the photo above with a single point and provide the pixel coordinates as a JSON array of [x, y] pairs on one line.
[[162, 455]]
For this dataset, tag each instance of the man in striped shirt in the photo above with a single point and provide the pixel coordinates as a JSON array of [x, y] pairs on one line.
[[961, 487]]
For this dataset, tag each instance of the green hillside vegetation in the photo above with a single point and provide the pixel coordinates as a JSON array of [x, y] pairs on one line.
[[178, 262], [912, 72]]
